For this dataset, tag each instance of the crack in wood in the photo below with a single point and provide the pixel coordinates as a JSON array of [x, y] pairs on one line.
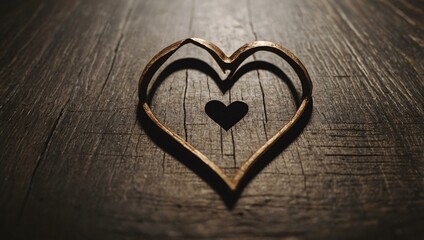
[[117, 48], [185, 107], [41, 157]]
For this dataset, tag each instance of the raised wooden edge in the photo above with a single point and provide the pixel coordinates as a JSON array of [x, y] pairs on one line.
[[227, 63]]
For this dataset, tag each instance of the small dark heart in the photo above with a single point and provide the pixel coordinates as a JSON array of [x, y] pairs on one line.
[[226, 116]]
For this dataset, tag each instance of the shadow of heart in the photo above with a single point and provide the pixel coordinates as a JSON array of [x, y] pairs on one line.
[[190, 160], [199, 65]]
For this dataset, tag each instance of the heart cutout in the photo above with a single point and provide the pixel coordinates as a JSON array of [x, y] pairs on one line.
[[226, 116], [227, 63]]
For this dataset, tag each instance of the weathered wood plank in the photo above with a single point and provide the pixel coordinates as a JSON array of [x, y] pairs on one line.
[[75, 161]]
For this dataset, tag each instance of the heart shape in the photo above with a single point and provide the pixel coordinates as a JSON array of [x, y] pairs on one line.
[[226, 116], [227, 63]]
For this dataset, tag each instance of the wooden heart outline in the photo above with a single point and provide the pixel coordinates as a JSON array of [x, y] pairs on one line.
[[227, 63]]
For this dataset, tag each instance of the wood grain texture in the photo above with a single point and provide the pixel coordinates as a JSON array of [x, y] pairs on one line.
[[76, 164]]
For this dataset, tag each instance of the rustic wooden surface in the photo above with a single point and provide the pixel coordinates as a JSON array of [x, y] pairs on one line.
[[76, 162]]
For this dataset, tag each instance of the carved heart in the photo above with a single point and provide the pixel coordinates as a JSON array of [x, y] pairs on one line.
[[226, 116], [227, 63]]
